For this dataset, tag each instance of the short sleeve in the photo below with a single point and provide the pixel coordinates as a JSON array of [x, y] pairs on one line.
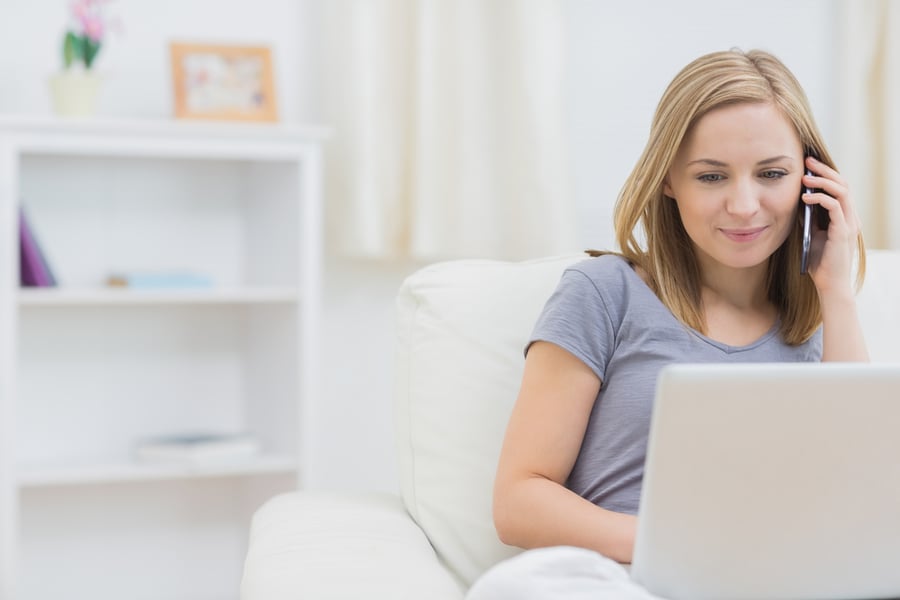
[[814, 346], [576, 318]]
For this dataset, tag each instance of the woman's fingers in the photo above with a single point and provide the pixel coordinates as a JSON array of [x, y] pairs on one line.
[[834, 195]]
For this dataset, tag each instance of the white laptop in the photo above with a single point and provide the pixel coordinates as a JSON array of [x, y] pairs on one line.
[[772, 481]]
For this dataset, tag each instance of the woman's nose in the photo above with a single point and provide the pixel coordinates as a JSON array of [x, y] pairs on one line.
[[743, 199]]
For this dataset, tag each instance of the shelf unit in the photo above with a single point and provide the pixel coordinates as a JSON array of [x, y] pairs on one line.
[[87, 370]]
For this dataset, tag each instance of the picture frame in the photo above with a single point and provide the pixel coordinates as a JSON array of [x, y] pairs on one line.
[[223, 82]]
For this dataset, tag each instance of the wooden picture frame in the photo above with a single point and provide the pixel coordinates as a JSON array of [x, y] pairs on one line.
[[223, 82]]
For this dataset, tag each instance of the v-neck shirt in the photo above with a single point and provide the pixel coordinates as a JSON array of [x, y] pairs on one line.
[[605, 314]]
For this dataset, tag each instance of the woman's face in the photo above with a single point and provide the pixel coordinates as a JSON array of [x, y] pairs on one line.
[[736, 181]]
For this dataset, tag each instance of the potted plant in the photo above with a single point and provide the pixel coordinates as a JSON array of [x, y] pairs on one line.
[[75, 88]]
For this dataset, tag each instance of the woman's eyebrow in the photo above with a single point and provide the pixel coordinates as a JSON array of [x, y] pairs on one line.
[[718, 163], [708, 161], [774, 159]]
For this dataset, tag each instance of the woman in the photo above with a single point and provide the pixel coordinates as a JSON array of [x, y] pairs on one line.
[[717, 195]]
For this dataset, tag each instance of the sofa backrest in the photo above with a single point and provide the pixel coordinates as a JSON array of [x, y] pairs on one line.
[[462, 329]]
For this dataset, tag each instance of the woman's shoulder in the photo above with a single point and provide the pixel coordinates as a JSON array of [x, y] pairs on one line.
[[605, 269], [613, 280]]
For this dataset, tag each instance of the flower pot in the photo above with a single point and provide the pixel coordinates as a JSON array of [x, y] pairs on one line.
[[74, 93]]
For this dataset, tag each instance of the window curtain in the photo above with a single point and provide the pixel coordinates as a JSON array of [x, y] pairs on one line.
[[449, 129], [868, 96]]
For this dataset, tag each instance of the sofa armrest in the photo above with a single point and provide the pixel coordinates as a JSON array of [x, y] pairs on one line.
[[318, 546]]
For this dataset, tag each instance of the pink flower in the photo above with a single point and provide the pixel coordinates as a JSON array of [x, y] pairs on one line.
[[83, 38], [93, 27], [81, 9], [88, 17]]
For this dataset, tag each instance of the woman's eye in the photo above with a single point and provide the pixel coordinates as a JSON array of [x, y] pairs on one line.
[[710, 178], [773, 174]]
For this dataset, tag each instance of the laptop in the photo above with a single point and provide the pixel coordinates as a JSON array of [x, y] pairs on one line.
[[772, 481]]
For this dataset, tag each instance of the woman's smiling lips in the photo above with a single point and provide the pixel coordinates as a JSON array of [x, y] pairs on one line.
[[743, 234]]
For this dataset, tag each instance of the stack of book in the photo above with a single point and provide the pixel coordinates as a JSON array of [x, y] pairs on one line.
[[197, 449]]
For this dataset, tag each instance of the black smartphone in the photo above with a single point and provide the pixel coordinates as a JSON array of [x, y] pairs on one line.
[[813, 215]]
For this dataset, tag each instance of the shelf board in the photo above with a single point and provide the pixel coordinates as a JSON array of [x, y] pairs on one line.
[[161, 138], [161, 127], [130, 471], [71, 296]]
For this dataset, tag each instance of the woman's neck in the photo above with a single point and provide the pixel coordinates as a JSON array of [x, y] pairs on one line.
[[743, 289], [735, 304]]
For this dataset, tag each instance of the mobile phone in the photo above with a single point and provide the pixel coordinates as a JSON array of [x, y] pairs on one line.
[[812, 214]]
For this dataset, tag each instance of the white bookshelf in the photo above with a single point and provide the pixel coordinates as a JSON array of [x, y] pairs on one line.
[[87, 370]]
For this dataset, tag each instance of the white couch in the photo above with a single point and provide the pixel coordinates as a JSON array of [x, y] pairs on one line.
[[462, 327]]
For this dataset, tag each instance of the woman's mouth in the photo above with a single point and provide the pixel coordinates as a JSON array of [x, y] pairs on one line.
[[743, 234]]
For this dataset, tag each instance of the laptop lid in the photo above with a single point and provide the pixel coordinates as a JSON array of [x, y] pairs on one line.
[[767, 481]]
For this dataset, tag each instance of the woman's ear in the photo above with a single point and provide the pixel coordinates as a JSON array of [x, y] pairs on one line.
[[667, 189]]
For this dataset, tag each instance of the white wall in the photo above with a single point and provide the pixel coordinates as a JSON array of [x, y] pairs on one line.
[[135, 60], [621, 61], [621, 56]]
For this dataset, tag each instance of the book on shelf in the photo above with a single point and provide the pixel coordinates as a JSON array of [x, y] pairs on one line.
[[34, 270], [159, 280], [198, 448]]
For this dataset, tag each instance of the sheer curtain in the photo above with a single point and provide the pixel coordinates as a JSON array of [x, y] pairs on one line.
[[868, 78], [449, 128]]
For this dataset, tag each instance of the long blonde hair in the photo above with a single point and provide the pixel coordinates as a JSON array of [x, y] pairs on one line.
[[709, 82]]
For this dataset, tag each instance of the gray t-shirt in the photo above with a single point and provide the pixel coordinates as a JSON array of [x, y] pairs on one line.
[[604, 314]]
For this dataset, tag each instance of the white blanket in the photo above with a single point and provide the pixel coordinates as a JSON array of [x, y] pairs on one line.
[[558, 573]]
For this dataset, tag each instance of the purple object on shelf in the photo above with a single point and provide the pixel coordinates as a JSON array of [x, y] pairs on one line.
[[33, 268]]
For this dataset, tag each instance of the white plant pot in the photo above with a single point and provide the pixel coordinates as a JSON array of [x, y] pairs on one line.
[[74, 93]]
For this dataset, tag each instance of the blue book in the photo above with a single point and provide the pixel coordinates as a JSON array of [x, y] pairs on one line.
[[160, 280]]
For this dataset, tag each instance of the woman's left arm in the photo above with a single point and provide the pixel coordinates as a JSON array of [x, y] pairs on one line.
[[831, 268]]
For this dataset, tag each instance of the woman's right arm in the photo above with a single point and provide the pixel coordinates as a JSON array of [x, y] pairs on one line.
[[532, 506]]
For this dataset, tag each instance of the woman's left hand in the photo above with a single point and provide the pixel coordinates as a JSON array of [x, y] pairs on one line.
[[832, 250]]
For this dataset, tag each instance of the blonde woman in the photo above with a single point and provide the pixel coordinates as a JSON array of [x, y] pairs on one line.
[[709, 229]]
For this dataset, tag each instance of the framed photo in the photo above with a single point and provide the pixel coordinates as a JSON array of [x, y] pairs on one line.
[[223, 82]]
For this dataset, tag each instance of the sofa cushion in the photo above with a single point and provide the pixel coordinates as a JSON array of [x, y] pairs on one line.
[[462, 328], [333, 546], [879, 305]]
